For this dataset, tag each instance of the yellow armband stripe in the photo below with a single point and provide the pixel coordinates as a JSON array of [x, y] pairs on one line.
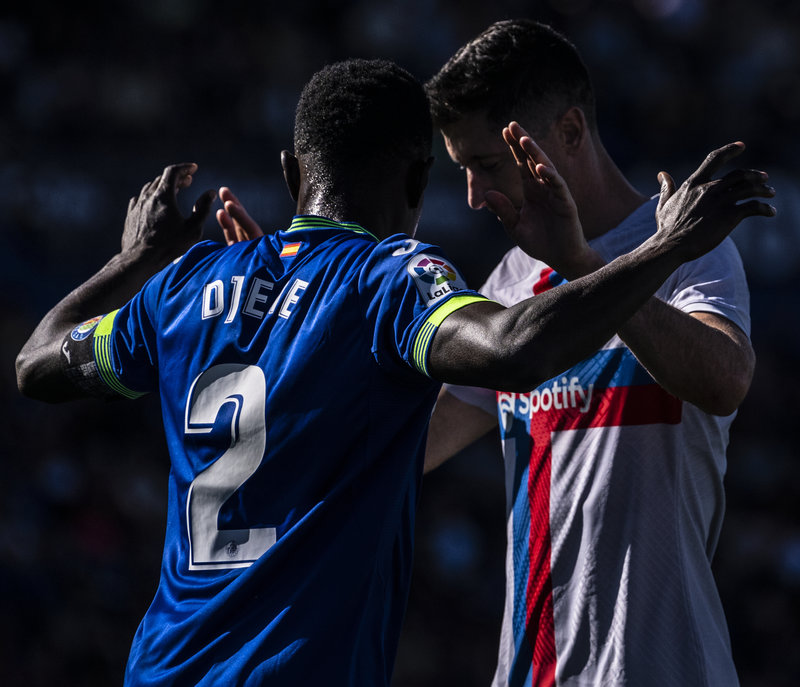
[[102, 357], [426, 332]]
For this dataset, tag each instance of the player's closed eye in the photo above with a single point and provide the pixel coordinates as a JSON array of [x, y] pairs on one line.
[[490, 165]]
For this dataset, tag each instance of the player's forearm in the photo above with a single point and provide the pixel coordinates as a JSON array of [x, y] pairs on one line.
[[579, 317], [697, 361], [38, 364], [590, 261], [518, 348], [454, 425], [703, 359]]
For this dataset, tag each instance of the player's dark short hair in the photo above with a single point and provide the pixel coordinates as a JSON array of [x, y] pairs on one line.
[[516, 69], [362, 110]]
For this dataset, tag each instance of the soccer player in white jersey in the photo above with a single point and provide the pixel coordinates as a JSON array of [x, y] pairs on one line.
[[614, 467], [297, 373]]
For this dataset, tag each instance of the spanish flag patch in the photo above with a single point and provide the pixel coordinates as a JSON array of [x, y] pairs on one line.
[[290, 249]]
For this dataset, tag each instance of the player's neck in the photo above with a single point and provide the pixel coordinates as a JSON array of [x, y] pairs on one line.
[[607, 200], [372, 217], [381, 207]]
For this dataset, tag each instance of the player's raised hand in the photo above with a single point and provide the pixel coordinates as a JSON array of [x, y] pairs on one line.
[[155, 224], [236, 223], [547, 225], [703, 211]]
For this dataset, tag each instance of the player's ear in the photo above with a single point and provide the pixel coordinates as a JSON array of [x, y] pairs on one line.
[[291, 173], [572, 129], [417, 180]]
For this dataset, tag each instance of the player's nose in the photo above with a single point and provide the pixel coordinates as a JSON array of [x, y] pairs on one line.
[[475, 191]]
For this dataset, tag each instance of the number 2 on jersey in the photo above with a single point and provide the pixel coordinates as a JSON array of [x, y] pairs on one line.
[[245, 387]]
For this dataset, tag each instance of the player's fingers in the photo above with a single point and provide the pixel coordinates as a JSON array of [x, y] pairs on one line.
[[534, 152], [148, 189], [177, 176], [247, 227], [516, 150], [743, 191], [201, 209], [225, 195], [743, 183], [185, 181], [526, 152], [224, 220], [740, 174], [550, 176], [754, 208], [517, 130], [715, 160], [667, 188], [228, 229]]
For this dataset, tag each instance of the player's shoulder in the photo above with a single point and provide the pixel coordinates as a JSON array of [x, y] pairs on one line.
[[426, 268], [411, 255], [401, 245], [206, 254], [395, 252], [198, 253], [514, 268]]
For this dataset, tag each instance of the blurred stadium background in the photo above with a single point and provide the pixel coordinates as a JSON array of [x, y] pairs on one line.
[[99, 97]]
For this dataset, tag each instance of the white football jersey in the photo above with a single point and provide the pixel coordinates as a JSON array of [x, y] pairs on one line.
[[615, 500]]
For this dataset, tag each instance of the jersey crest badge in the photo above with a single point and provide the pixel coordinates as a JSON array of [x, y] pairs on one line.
[[83, 330]]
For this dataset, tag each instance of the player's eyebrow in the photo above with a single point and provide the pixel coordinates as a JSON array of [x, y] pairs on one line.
[[480, 158]]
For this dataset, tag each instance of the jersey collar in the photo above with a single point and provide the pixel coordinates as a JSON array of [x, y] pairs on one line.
[[317, 222]]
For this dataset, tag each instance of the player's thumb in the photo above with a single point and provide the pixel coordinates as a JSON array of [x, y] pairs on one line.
[[201, 210], [667, 188]]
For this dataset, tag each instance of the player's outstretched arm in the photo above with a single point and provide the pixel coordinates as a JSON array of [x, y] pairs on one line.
[[702, 358], [155, 233], [517, 348], [454, 425]]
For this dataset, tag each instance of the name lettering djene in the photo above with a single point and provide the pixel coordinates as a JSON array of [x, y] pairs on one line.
[[257, 302]]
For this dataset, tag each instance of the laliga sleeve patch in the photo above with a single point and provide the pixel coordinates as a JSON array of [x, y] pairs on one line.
[[435, 278]]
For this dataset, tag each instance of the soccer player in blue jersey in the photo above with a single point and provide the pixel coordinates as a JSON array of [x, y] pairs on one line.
[[297, 373]]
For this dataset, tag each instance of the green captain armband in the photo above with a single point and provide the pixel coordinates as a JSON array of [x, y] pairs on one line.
[[102, 356], [426, 332], [86, 359]]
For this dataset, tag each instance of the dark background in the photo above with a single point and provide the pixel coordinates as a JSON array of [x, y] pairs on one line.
[[98, 98]]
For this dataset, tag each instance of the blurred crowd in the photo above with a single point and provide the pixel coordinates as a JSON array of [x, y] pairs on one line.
[[98, 100]]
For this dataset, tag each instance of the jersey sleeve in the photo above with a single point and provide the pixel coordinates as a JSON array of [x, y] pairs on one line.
[[408, 289], [477, 396], [125, 349], [715, 283]]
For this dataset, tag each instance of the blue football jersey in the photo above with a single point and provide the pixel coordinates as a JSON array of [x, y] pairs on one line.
[[292, 372]]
